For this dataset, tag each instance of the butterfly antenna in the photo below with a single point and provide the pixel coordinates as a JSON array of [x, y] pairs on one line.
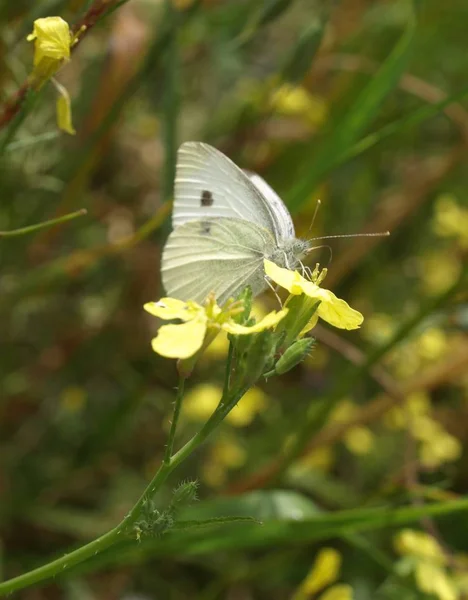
[[317, 206], [350, 235]]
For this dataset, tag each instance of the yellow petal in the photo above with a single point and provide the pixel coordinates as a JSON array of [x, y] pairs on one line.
[[325, 571], [421, 545], [64, 117], [52, 39], [334, 310], [171, 308], [269, 321], [180, 341], [432, 579], [290, 280], [310, 325], [340, 591], [337, 312]]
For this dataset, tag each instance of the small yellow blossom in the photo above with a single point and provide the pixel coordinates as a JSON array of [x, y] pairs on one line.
[[320, 459], [334, 310], [200, 324], [435, 581], [440, 269], [340, 591], [420, 545], [450, 219], [296, 101], [324, 571], [52, 39], [359, 440], [432, 344], [429, 563], [52, 44]]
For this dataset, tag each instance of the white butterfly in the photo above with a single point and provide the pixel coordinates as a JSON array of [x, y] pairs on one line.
[[226, 222]]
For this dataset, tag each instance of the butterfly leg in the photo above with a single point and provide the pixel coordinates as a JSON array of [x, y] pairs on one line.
[[268, 282]]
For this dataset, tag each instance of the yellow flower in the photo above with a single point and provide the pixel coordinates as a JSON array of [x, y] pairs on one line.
[[359, 440], [340, 591], [434, 580], [428, 563], [324, 571], [334, 310], [200, 325], [296, 101], [52, 43], [419, 545], [450, 219]]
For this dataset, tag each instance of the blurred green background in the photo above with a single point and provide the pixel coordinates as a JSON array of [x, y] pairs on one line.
[[343, 101]]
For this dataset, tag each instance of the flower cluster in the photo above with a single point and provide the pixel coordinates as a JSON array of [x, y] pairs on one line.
[[435, 573], [199, 325]]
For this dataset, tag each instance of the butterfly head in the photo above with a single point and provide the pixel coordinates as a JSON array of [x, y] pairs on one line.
[[290, 253]]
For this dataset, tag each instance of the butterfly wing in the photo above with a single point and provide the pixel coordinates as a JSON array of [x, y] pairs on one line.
[[283, 224], [208, 184], [220, 255]]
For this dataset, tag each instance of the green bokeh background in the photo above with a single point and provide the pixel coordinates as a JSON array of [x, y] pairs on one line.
[[332, 100]]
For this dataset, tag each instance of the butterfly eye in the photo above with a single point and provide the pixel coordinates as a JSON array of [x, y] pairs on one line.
[[206, 198]]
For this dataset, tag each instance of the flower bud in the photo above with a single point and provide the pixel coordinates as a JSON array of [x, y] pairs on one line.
[[294, 355], [183, 495]]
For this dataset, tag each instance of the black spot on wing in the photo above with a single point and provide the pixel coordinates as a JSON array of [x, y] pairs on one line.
[[206, 198]]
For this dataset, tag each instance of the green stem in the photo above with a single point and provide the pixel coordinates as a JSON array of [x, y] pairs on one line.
[[175, 419], [227, 373], [63, 564], [44, 224], [60, 565], [224, 408]]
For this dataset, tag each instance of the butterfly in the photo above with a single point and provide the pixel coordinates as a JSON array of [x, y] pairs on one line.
[[226, 221]]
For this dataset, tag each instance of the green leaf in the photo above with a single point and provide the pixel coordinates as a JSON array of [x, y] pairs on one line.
[[276, 532], [216, 521], [261, 505]]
